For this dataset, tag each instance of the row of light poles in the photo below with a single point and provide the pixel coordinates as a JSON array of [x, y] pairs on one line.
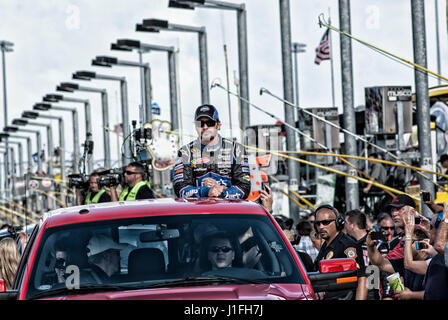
[[105, 61], [147, 25]]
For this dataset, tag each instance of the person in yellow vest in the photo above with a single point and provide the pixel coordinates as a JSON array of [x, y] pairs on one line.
[[94, 194], [136, 188]]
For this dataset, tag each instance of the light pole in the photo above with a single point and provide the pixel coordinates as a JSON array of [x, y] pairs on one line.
[[350, 144], [39, 148], [107, 61], [12, 161], [296, 49], [155, 25], [5, 46], [172, 72], [10, 168], [87, 115], [28, 149], [20, 153], [34, 115], [25, 122], [105, 111], [88, 75], [38, 143], [242, 45], [74, 112], [288, 94]]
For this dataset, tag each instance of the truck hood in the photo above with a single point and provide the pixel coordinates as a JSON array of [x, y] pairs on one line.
[[223, 292]]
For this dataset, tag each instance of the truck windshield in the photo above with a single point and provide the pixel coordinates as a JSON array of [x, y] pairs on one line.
[[161, 251]]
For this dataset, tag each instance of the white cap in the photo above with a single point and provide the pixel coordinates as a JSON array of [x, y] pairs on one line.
[[100, 243]]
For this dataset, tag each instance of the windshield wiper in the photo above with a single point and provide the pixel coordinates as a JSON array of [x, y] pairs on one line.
[[202, 280], [82, 289]]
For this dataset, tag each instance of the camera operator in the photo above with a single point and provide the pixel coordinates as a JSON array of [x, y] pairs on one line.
[[94, 194], [136, 188]]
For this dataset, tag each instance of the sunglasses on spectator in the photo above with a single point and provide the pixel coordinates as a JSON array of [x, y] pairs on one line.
[[323, 222], [388, 228], [209, 123], [130, 172], [224, 249]]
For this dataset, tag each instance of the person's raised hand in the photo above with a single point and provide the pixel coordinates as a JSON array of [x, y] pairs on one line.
[[266, 198]]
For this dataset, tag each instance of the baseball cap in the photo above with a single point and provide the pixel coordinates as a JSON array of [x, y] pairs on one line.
[[206, 110], [100, 243], [400, 201]]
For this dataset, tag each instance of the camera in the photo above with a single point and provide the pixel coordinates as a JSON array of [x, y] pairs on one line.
[[78, 181], [109, 178], [378, 235], [418, 220], [419, 245]]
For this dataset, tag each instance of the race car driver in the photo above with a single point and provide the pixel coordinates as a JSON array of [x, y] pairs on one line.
[[211, 166]]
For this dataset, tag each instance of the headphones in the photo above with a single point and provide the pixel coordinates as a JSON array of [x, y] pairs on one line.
[[340, 221]]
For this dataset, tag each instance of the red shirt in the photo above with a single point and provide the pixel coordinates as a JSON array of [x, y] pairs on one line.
[[397, 252]]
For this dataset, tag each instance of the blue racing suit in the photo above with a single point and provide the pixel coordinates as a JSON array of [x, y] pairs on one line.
[[225, 162]]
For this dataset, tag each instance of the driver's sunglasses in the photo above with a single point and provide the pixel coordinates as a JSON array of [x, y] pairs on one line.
[[210, 123], [224, 249], [323, 222]]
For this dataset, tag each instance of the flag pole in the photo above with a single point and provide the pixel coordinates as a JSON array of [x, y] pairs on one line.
[[331, 60]]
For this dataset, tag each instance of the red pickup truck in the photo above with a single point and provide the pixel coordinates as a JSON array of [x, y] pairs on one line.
[[168, 249]]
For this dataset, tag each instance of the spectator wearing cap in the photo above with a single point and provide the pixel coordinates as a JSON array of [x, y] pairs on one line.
[[104, 256], [211, 166], [403, 209], [401, 204]]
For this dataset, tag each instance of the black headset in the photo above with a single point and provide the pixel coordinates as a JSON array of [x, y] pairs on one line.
[[340, 221]]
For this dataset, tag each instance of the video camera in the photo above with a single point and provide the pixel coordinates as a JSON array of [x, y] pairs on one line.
[[78, 180], [109, 178]]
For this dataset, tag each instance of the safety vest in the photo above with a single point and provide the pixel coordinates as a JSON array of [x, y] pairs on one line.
[[134, 191], [96, 198]]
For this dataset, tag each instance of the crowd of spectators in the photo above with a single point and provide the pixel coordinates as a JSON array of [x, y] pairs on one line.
[[398, 240]]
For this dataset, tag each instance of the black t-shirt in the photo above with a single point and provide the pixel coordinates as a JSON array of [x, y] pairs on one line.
[[105, 197], [412, 280], [342, 247], [436, 280], [306, 259], [143, 193]]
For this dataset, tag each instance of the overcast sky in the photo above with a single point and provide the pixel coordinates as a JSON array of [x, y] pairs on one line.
[[54, 38]]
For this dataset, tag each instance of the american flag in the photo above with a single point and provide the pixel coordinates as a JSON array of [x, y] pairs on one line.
[[323, 50]]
